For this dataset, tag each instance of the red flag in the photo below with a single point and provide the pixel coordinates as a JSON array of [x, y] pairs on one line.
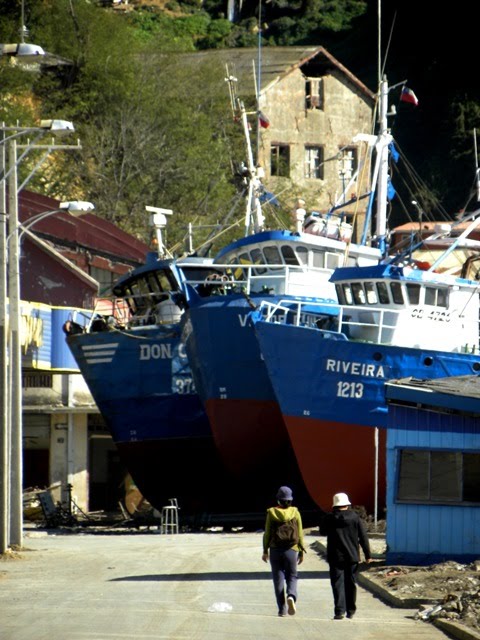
[[263, 120], [407, 95]]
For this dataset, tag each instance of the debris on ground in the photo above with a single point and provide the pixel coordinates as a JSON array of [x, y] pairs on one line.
[[453, 587]]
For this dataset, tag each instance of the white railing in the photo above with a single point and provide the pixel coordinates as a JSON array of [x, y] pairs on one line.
[[142, 309], [378, 325]]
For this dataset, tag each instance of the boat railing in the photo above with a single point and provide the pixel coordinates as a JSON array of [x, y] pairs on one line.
[[134, 310], [376, 325], [277, 279], [380, 325]]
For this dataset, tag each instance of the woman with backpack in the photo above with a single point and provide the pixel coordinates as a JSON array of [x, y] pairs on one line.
[[283, 545]]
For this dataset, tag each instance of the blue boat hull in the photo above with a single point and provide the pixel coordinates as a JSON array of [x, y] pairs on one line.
[[142, 385], [335, 399], [233, 383]]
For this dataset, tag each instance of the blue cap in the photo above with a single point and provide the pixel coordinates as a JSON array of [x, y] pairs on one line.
[[284, 493]]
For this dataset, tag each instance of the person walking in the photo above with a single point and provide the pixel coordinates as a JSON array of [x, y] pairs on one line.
[[346, 533], [283, 545]]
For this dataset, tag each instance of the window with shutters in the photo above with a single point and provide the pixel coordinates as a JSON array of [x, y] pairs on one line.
[[314, 93], [314, 162], [347, 164]]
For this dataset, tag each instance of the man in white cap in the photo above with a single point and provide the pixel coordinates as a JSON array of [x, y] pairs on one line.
[[345, 533]]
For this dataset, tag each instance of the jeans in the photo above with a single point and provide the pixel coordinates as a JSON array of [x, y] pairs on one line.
[[284, 565], [344, 587]]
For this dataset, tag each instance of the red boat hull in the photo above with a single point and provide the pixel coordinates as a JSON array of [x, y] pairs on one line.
[[256, 448], [338, 457]]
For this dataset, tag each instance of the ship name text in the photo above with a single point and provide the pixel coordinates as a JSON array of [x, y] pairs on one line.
[[155, 351], [365, 369]]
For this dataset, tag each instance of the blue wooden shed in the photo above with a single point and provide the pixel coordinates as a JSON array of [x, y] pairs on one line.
[[433, 470]]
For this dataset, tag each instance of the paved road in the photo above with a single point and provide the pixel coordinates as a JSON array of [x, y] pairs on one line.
[[147, 586]]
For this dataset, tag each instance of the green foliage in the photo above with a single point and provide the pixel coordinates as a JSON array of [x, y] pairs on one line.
[[217, 35], [158, 131], [170, 34]]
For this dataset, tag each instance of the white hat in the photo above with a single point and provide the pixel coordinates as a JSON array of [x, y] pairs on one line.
[[341, 500]]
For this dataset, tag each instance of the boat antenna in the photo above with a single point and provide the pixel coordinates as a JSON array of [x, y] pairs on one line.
[[379, 42], [477, 170], [159, 222], [259, 73], [381, 66]]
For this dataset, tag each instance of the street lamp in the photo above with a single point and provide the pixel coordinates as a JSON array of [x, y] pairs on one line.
[[11, 502], [75, 208], [17, 230], [21, 49]]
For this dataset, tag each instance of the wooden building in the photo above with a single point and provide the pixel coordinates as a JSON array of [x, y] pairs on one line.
[[65, 262], [313, 107], [433, 470]]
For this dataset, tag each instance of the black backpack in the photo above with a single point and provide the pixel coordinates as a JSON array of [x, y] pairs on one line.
[[285, 534]]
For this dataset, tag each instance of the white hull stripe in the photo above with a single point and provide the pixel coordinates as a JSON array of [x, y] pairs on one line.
[[100, 354], [99, 347]]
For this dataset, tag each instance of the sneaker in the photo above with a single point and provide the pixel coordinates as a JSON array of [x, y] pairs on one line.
[[291, 606], [338, 616], [350, 614], [282, 614]]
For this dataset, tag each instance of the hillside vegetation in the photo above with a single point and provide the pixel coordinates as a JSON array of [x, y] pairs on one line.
[[153, 133]]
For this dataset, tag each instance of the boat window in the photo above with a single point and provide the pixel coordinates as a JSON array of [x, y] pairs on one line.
[[318, 259], [158, 287], [153, 283], [442, 298], [371, 293], [257, 258], [382, 291], [127, 293], [413, 291], [239, 273], [302, 253], [436, 297], [397, 295], [340, 296], [141, 295], [347, 294], [430, 295], [332, 260], [272, 255], [358, 293], [289, 255]]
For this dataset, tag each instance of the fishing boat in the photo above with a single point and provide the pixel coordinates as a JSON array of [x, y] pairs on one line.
[[227, 366], [137, 372], [393, 320], [134, 362]]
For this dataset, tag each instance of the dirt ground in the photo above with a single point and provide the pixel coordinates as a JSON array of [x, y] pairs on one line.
[[452, 590]]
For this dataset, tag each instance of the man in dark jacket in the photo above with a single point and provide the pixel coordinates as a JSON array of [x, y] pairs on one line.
[[345, 533]]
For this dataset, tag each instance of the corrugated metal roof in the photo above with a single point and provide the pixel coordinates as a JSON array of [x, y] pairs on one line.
[[275, 62], [88, 231], [461, 393]]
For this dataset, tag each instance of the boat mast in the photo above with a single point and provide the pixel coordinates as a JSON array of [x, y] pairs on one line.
[[384, 139], [253, 174], [477, 170]]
